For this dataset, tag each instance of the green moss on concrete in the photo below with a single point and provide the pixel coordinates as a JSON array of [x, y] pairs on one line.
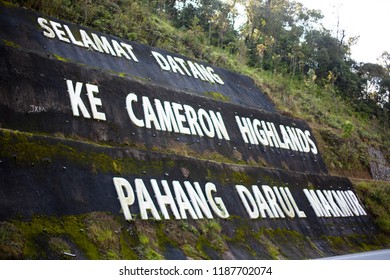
[[376, 198], [103, 230], [217, 96], [11, 44], [39, 226], [97, 235], [59, 246], [27, 150], [354, 243], [289, 244], [241, 178], [101, 235], [12, 241], [60, 58]]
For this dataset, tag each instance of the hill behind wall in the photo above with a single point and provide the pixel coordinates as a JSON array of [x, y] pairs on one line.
[[106, 139]]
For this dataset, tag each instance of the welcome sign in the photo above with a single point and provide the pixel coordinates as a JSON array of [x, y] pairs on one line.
[[123, 126]]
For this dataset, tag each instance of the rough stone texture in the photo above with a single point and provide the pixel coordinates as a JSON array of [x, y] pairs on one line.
[[379, 167], [40, 103], [53, 164], [238, 89]]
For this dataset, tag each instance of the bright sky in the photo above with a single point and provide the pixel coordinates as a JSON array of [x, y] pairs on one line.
[[367, 19]]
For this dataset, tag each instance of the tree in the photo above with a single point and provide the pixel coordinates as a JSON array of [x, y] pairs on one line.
[[377, 83], [324, 54], [274, 32], [384, 61], [216, 18]]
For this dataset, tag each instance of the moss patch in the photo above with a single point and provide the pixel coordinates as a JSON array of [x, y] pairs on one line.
[[217, 96], [101, 235], [11, 44], [96, 235], [11, 241], [27, 149], [376, 198]]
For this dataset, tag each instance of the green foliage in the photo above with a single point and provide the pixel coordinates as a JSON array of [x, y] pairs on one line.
[[376, 197], [96, 235], [347, 129], [58, 246], [143, 239], [11, 241]]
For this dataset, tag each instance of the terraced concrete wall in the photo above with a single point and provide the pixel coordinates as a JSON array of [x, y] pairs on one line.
[[90, 122]]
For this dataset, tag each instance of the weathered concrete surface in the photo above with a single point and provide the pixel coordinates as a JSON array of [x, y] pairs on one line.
[[238, 88], [40, 103], [50, 176], [57, 165]]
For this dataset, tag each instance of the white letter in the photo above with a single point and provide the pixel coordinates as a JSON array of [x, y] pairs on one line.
[[204, 73], [119, 50], [215, 76], [245, 195], [355, 200], [342, 203], [288, 209], [261, 203], [165, 199], [124, 200], [161, 61], [182, 201], [281, 145], [198, 200], [103, 44], [244, 129], [60, 34], [216, 204], [269, 132], [72, 38], [209, 129], [166, 116], [129, 49], [260, 135], [174, 65], [329, 198], [145, 201], [219, 125], [195, 71], [192, 120], [294, 138], [149, 114], [180, 118], [88, 43], [328, 210], [350, 203], [94, 101], [287, 141], [75, 100], [311, 142], [314, 203], [129, 99], [300, 213], [303, 140], [183, 65], [49, 33]]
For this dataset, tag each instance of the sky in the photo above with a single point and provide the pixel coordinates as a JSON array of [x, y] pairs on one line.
[[367, 19], [370, 20]]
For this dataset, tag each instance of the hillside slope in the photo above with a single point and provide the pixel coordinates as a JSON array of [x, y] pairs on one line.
[[57, 170]]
